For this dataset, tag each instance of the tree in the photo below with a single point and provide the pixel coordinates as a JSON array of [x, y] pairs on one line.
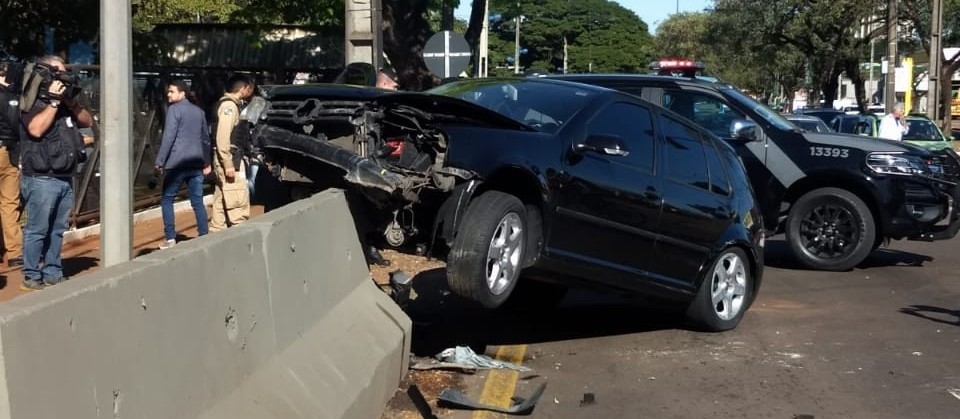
[[917, 14], [828, 34], [599, 35], [24, 25]]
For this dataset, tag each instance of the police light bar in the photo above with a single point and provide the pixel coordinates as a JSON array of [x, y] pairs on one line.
[[672, 67]]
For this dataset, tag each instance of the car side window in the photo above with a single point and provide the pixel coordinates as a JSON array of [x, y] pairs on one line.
[[707, 111], [685, 159], [633, 124], [719, 182]]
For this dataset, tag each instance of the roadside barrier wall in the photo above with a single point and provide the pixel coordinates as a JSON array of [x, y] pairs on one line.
[[275, 318]]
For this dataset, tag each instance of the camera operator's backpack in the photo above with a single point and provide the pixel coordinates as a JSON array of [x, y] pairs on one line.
[[30, 86]]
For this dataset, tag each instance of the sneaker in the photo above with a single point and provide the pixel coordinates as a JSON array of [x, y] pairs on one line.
[[32, 285], [166, 244], [15, 262], [52, 282]]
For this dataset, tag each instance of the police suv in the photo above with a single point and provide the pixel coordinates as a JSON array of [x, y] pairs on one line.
[[836, 196]]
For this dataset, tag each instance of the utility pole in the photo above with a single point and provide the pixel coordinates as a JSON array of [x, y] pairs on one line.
[[516, 49], [484, 48], [116, 104], [363, 40], [890, 94], [936, 64]]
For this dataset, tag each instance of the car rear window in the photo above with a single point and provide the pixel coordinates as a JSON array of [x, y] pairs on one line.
[[544, 106]]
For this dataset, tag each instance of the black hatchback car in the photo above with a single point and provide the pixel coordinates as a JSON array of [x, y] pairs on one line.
[[838, 197], [542, 182]]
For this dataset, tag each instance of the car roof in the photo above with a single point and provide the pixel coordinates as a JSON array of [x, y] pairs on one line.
[[655, 78], [796, 117]]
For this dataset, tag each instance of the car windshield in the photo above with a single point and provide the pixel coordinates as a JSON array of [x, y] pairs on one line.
[[811, 124], [541, 105], [921, 129], [769, 115]]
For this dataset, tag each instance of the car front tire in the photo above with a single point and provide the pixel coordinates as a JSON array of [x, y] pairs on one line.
[[487, 254], [725, 293], [831, 229]]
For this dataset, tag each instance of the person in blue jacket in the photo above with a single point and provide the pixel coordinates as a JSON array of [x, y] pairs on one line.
[[184, 157]]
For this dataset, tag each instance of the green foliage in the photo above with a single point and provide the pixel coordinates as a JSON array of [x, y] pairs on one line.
[[601, 35], [826, 35]]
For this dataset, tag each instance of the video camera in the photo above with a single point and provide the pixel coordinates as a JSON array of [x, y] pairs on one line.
[[36, 84], [48, 74]]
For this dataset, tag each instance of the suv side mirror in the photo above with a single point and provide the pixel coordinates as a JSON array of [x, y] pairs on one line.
[[610, 145], [743, 130]]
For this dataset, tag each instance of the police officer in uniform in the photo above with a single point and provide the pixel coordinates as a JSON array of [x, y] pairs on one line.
[[9, 161], [231, 198]]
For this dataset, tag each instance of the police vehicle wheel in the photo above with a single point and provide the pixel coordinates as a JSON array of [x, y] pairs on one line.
[[487, 254], [725, 293], [831, 229]]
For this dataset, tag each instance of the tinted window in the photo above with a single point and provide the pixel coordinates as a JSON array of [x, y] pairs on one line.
[[632, 123], [543, 106], [685, 159], [719, 183], [707, 111]]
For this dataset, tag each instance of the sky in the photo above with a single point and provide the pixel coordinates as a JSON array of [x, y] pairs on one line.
[[650, 11]]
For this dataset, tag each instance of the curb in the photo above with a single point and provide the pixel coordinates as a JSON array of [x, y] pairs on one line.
[[78, 234]]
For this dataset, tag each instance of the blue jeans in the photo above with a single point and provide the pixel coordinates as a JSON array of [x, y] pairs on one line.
[[48, 202], [172, 179], [252, 168]]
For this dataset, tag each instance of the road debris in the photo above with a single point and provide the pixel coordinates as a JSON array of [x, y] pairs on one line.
[[420, 402], [400, 287], [955, 392], [588, 399], [426, 363], [465, 357], [454, 399]]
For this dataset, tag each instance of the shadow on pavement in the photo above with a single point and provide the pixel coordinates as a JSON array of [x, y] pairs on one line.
[[933, 313], [442, 320], [77, 264], [777, 255]]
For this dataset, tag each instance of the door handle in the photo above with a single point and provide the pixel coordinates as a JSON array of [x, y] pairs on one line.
[[652, 194]]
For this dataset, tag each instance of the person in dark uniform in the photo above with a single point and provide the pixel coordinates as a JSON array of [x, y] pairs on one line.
[[9, 161]]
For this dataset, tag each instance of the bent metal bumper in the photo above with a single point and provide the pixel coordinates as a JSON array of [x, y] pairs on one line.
[[947, 226], [361, 171]]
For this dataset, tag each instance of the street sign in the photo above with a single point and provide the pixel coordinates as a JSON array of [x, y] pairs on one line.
[[447, 54]]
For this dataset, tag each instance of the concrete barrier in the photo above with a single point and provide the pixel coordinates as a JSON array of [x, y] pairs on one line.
[[276, 318]]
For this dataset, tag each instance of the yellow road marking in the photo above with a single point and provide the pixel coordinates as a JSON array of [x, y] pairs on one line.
[[501, 384]]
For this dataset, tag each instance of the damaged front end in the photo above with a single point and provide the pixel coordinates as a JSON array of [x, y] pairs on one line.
[[390, 153]]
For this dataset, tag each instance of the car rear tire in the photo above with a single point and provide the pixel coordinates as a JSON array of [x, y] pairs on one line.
[[725, 293], [831, 229], [487, 254]]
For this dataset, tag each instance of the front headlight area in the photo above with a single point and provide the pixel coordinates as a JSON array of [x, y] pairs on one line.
[[897, 164]]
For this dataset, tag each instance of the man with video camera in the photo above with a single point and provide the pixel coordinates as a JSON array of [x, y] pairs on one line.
[[10, 73], [52, 147]]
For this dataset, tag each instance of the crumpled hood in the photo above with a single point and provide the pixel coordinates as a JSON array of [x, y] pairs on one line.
[[868, 144]]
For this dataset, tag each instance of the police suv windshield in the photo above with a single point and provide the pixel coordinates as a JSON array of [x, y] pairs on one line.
[[769, 115]]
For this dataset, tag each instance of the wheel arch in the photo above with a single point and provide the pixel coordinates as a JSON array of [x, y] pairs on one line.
[[512, 180], [842, 180], [740, 240]]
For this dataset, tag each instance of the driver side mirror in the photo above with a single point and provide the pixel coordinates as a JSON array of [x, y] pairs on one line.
[[743, 130], [609, 145]]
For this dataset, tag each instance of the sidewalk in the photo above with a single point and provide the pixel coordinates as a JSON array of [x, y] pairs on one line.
[[83, 254]]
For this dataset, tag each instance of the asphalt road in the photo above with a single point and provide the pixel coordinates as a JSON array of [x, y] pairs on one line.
[[881, 341]]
